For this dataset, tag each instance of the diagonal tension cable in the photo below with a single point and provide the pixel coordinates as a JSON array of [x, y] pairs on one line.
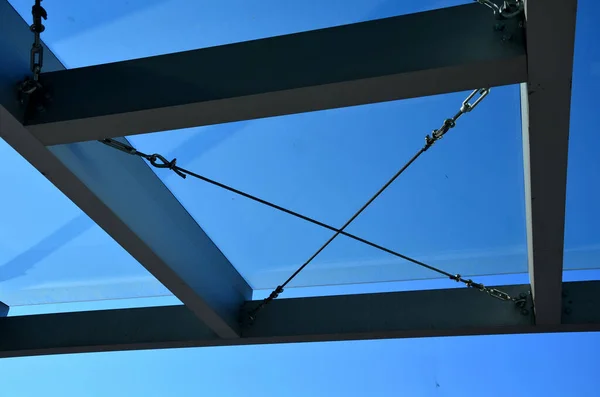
[[184, 172], [31, 92], [159, 161], [429, 141]]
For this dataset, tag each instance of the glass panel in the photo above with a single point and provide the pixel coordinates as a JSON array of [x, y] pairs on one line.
[[459, 207], [582, 227], [84, 306], [84, 33], [419, 285], [51, 252], [395, 286]]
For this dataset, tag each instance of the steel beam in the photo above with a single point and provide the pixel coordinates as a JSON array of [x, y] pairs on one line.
[[408, 56], [122, 195], [545, 109], [412, 314], [446, 312], [104, 330]]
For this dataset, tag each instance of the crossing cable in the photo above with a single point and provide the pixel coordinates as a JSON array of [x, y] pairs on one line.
[[158, 161], [436, 135], [31, 92]]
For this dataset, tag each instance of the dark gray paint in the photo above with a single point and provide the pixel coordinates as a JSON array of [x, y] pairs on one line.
[[122, 195], [407, 56], [412, 314], [581, 303], [546, 106], [429, 312], [187, 262], [107, 330]]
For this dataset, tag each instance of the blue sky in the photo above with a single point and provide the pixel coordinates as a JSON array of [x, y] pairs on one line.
[[459, 207]]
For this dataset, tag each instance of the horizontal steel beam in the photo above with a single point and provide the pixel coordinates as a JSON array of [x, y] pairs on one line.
[[449, 312], [412, 314], [105, 330], [408, 56], [546, 108], [124, 197]]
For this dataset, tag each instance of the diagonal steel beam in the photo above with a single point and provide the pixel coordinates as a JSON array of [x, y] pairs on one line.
[[545, 110], [411, 314], [124, 197], [427, 53]]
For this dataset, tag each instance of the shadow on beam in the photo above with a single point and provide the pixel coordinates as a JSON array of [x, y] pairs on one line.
[[427, 53], [124, 197], [454, 312]]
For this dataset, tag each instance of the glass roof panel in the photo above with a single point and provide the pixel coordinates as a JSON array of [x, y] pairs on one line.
[[83, 33], [582, 223], [51, 252], [459, 207], [323, 164]]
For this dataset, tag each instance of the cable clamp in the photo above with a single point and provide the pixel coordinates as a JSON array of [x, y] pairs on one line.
[[466, 107], [164, 163]]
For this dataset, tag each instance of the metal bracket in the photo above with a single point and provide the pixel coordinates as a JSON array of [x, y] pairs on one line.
[[4, 310], [33, 97], [510, 30], [524, 303]]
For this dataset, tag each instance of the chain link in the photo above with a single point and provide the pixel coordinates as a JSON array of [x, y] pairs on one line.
[[520, 301], [37, 50], [466, 107], [508, 9], [159, 161], [501, 295], [31, 93]]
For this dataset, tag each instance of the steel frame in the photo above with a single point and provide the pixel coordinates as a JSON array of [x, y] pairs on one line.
[[411, 314], [545, 112], [295, 73]]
